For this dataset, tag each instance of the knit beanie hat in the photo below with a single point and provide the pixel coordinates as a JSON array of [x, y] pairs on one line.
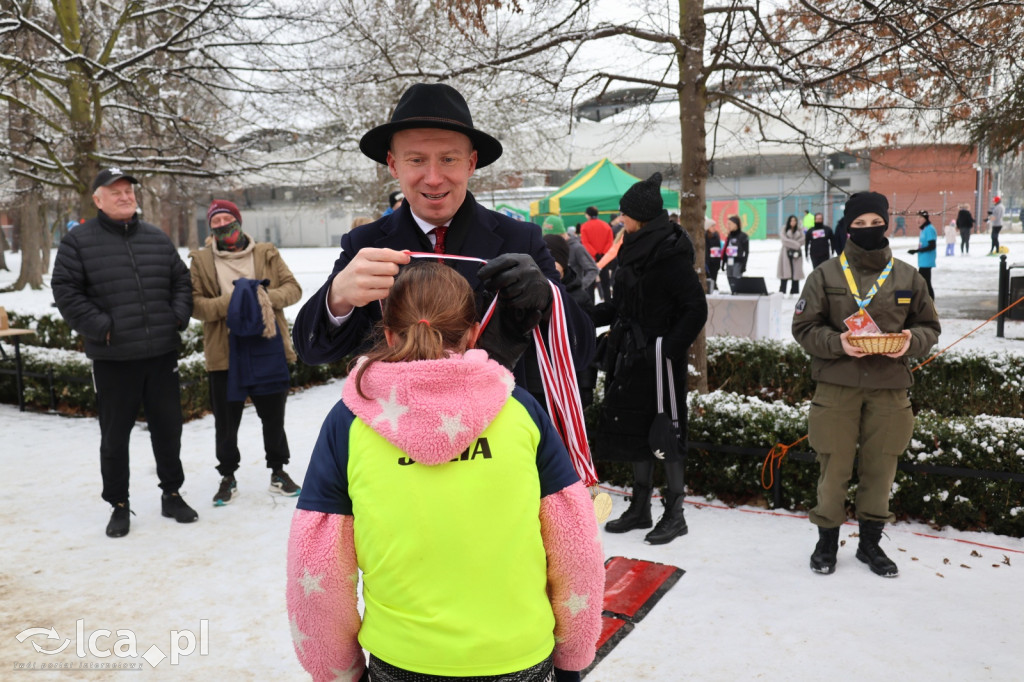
[[642, 202], [553, 225], [867, 202], [559, 249], [223, 206]]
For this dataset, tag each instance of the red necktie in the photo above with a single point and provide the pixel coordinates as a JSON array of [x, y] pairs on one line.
[[439, 233]]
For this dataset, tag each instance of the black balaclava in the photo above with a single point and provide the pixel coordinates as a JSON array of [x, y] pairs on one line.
[[867, 238]]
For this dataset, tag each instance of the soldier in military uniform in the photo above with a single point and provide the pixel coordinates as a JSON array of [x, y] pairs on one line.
[[861, 408]]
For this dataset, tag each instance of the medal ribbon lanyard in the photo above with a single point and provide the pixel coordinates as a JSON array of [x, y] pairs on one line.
[[863, 303]]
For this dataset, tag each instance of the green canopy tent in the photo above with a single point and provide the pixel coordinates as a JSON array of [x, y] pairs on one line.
[[600, 184]]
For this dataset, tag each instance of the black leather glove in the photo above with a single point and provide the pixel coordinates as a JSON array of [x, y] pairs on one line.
[[911, 251], [566, 675], [519, 282]]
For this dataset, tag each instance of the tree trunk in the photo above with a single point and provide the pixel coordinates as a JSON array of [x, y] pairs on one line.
[[28, 213], [694, 166], [3, 249], [29, 217]]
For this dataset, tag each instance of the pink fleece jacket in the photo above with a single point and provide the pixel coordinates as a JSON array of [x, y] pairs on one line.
[[424, 398]]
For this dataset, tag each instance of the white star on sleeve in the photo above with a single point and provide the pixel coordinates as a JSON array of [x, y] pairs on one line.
[[576, 602], [298, 636], [345, 675], [451, 425], [310, 583], [391, 410]]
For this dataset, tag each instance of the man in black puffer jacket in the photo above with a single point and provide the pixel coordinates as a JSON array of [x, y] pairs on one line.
[[120, 283]]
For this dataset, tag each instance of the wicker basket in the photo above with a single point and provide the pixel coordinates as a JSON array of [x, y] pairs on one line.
[[879, 343]]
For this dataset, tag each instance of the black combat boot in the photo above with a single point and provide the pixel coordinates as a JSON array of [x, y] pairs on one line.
[[671, 525], [870, 553], [637, 516], [823, 560]]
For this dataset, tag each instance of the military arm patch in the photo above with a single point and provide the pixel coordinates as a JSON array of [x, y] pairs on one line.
[[904, 296], [800, 305], [836, 291]]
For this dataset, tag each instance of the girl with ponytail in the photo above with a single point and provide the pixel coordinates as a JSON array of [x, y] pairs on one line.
[[449, 489]]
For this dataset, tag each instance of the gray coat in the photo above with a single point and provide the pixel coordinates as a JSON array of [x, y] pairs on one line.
[[791, 268]]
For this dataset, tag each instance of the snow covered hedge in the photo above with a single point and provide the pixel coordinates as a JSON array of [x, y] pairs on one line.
[[986, 383], [62, 379], [747, 427]]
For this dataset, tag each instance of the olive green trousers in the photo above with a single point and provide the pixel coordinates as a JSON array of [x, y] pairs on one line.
[[871, 427]]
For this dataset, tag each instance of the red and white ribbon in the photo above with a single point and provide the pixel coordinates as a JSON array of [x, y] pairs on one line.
[[561, 390]]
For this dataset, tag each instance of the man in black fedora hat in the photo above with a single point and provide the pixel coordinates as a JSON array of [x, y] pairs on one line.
[[431, 147]]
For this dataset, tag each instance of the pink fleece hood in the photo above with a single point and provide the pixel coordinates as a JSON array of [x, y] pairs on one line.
[[431, 409]]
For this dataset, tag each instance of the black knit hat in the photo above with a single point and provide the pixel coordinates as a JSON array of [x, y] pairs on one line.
[[430, 105], [642, 202], [866, 202]]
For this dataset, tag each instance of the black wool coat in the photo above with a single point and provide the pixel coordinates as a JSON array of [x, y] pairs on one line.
[[656, 293], [126, 280]]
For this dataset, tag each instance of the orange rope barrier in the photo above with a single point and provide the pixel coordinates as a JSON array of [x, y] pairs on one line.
[[779, 450]]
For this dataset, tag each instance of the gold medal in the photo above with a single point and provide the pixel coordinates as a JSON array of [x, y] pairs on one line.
[[602, 505]]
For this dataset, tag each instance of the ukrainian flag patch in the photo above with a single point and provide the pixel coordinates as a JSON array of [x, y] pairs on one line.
[[903, 297]]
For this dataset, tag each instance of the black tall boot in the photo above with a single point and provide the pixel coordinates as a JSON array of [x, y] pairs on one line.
[[870, 553], [638, 515], [823, 560], [672, 523]]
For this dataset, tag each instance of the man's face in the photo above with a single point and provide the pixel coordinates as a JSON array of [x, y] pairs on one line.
[[921, 220], [819, 218], [433, 168], [221, 219], [117, 200]]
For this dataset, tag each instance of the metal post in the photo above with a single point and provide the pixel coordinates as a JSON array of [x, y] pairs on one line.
[[1004, 294], [18, 374], [776, 483]]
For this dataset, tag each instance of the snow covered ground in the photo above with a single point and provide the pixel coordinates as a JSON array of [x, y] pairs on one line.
[[747, 608]]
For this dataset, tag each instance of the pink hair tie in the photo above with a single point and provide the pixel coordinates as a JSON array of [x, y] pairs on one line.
[[426, 322]]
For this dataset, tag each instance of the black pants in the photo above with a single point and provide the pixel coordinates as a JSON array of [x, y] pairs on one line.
[[227, 415], [121, 388], [927, 274], [995, 238], [381, 671], [965, 240]]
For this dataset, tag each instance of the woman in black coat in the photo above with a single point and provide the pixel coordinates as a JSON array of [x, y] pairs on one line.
[[657, 294], [964, 223]]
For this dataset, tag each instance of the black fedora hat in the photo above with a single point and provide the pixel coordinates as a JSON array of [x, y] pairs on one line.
[[430, 105]]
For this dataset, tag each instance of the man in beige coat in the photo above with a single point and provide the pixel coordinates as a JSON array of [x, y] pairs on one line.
[[231, 254]]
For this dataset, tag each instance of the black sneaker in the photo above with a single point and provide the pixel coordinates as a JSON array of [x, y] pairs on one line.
[[282, 484], [173, 507], [227, 491], [120, 520]]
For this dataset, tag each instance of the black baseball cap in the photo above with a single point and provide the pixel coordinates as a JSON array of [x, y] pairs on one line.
[[108, 176]]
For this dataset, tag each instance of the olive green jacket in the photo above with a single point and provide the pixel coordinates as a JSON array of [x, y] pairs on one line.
[[211, 307], [901, 303]]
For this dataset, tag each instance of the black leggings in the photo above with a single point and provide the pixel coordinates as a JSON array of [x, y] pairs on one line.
[[643, 474], [995, 238]]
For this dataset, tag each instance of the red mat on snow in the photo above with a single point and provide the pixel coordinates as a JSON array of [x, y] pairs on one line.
[[631, 589]]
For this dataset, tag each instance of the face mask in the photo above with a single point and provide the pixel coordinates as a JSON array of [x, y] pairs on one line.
[[228, 236], [819, 224], [868, 238]]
